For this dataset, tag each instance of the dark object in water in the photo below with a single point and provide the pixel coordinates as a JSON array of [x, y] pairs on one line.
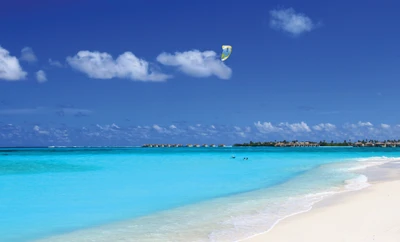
[[233, 157]]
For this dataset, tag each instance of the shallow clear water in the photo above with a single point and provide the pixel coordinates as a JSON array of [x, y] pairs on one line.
[[46, 192]]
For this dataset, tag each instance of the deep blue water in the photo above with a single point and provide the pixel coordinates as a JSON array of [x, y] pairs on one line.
[[57, 190]]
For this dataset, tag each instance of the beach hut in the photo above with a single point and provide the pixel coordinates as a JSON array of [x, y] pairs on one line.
[[380, 144]]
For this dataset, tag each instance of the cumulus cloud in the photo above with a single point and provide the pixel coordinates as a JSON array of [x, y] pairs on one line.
[[296, 127], [365, 124], [160, 129], [197, 64], [385, 126], [41, 76], [172, 126], [325, 127], [266, 127], [10, 69], [360, 124], [288, 20], [101, 65], [28, 55], [108, 134], [285, 128], [55, 63], [37, 129]]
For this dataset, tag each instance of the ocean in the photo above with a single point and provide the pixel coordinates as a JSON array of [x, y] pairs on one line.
[[169, 194]]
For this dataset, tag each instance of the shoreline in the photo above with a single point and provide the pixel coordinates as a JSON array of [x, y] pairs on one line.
[[376, 172], [339, 217]]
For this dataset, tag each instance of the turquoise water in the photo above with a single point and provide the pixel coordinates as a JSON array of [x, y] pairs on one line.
[[47, 192]]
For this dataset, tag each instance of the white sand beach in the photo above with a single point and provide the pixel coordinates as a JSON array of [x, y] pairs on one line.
[[371, 214]]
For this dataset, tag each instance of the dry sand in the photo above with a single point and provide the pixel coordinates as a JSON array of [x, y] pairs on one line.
[[371, 214]]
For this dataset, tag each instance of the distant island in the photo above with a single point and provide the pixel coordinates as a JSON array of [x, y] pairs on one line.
[[180, 145], [296, 143]]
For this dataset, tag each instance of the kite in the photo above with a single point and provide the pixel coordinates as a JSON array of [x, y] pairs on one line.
[[226, 52]]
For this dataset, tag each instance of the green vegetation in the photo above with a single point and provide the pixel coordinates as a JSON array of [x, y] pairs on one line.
[[295, 143]]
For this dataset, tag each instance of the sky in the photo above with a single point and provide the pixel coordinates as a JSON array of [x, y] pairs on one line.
[[133, 72]]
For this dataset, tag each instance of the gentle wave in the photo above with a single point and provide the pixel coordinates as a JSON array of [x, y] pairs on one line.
[[372, 161], [238, 217], [306, 203]]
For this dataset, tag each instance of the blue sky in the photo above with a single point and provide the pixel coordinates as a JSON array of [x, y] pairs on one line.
[[132, 72]]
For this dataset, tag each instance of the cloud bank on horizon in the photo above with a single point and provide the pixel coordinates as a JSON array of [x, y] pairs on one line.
[[115, 134]]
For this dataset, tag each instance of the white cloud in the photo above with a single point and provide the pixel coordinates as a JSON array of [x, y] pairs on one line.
[[41, 76], [172, 126], [102, 66], [365, 124], [289, 21], [212, 126], [325, 127], [385, 126], [247, 129], [10, 68], [266, 127], [55, 63], [158, 128], [115, 126], [237, 128], [28, 55], [196, 63], [39, 130], [241, 134], [296, 127]]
